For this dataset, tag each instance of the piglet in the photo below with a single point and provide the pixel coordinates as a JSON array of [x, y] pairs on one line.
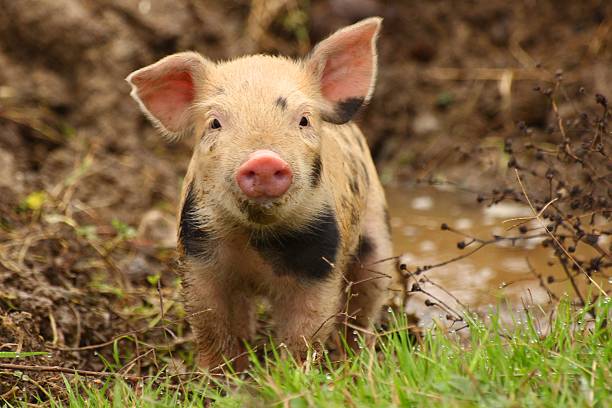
[[281, 199]]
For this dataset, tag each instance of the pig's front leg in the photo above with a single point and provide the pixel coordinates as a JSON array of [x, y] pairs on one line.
[[221, 316], [306, 314]]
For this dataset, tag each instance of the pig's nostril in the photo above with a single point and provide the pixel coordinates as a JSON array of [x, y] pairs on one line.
[[250, 174], [280, 174]]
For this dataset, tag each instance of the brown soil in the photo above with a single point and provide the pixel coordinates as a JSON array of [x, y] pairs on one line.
[[79, 264]]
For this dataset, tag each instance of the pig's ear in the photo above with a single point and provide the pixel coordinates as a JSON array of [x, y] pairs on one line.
[[166, 90], [345, 66]]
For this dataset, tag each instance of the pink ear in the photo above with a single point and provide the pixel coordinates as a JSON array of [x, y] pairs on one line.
[[166, 90], [345, 65]]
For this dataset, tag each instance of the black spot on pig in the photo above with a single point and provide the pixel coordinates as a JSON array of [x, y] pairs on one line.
[[354, 186], [366, 175], [194, 238], [350, 208], [365, 248], [348, 108], [305, 253], [281, 103], [387, 220], [315, 175], [344, 111]]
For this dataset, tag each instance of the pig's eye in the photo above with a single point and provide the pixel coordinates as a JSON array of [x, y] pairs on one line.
[[215, 124], [304, 121]]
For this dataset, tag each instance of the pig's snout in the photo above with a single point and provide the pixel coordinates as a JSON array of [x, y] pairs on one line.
[[264, 175]]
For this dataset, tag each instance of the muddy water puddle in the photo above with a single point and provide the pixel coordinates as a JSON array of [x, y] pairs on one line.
[[498, 274]]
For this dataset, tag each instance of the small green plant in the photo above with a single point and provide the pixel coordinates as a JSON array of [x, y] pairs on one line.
[[89, 232], [124, 231], [153, 279]]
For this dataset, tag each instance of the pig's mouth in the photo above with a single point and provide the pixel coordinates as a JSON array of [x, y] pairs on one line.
[[260, 211]]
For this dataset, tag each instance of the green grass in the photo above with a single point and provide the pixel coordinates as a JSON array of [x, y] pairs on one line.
[[16, 354], [496, 366]]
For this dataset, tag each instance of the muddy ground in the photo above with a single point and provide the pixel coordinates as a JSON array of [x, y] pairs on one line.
[[88, 189]]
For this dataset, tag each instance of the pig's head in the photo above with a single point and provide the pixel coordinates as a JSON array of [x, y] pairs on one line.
[[258, 120]]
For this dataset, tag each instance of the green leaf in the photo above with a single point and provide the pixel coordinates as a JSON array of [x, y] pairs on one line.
[[89, 232], [124, 231], [153, 279], [445, 99]]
